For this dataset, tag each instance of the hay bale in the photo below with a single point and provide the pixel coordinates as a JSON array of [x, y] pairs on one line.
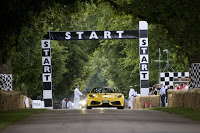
[[30, 102], [170, 100], [10, 100], [170, 91], [155, 99], [186, 99], [190, 99], [135, 103], [22, 103], [198, 100], [142, 101], [139, 102], [178, 98]]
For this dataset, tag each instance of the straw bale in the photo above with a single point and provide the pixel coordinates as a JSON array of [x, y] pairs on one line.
[[10, 100], [178, 97], [135, 106], [139, 102], [155, 100], [190, 99], [30, 102], [170, 91], [170, 100], [198, 100], [22, 101], [136, 103]]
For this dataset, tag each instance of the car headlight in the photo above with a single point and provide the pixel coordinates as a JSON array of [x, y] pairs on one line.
[[83, 102], [91, 96], [119, 96]]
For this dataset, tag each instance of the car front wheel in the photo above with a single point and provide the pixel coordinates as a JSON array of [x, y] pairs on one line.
[[89, 107]]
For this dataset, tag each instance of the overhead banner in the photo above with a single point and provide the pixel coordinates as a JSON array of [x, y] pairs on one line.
[[92, 35], [141, 34]]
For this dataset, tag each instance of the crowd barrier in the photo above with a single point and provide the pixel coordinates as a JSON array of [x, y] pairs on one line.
[[184, 99], [141, 101], [10, 100]]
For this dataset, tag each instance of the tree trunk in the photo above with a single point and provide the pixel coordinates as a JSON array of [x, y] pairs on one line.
[[5, 68]]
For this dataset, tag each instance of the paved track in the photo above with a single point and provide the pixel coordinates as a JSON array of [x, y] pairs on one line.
[[104, 121]]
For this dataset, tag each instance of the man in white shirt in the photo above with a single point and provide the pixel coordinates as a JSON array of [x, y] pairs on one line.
[[69, 104], [26, 102], [185, 86], [162, 94], [77, 94], [131, 97], [64, 103]]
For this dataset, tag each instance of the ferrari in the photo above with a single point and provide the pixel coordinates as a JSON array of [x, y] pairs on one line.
[[105, 97]]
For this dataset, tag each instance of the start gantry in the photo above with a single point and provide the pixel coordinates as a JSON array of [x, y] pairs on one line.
[[90, 35]]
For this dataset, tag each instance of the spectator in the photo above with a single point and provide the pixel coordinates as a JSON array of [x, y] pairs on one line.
[[64, 103], [166, 93], [150, 91], [162, 94], [182, 87], [177, 87], [155, 91], [70, 104], [185, 86]]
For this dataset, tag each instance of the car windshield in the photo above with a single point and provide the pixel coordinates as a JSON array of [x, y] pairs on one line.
[[104, 90]]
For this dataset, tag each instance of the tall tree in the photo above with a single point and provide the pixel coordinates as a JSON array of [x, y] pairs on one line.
[[179, 18]]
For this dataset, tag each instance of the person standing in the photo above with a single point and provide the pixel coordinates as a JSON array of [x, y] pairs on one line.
[[131, 97], [155, 91], [177, 87], [77, 94], [185, 86], [162, 94], [64, 103], [69, 104], [166, 94], [182, 87]]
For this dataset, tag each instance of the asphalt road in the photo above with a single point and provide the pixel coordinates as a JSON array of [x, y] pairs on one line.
[[104, 121]]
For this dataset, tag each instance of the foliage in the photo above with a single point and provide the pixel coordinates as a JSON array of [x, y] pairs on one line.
[[173, 25], [179, 18]]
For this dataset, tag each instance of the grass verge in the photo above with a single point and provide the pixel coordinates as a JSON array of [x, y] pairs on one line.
[[188, 113], [11, 116]]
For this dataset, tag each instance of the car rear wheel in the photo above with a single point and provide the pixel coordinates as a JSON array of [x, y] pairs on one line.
[[120, 107]]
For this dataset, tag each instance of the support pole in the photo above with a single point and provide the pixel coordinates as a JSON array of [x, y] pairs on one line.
[[144, 58]]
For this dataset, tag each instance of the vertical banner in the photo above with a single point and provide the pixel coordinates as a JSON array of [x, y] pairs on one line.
[[47, 74], [144, 58], [6, 82]]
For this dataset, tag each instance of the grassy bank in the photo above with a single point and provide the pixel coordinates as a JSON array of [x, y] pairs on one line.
[[11, 116], [188, 113]]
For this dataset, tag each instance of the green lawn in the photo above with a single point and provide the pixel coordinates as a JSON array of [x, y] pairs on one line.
[[188, 113], [11, 116]]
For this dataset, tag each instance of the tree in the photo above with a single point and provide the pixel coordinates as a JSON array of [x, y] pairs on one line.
[[179, 18]]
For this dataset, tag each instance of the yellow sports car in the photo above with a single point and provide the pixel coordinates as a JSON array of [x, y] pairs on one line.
[[105, 97]]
